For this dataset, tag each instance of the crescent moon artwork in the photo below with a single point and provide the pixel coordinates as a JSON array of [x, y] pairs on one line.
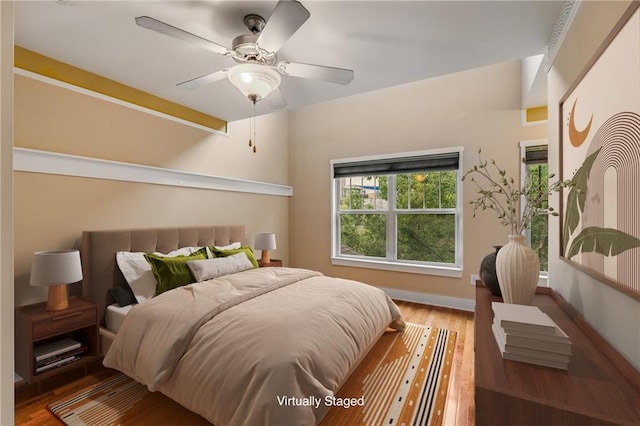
[[577, 137]]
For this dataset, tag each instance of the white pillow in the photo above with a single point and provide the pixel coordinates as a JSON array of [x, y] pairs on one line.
[[231, 246], [137, 271], [207, 269]]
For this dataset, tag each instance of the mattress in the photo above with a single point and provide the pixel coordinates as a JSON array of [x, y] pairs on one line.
[[114, 316]]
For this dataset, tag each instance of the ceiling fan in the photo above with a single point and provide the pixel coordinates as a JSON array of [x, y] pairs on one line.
[[258, 71]]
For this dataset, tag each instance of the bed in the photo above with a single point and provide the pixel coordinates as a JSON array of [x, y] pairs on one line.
[[268, 346]]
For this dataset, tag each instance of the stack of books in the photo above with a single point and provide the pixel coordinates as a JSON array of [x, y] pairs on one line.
[[526, 334], [56, 354]]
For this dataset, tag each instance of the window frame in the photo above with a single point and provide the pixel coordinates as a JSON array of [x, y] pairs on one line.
[[543, 277], [390, 261]]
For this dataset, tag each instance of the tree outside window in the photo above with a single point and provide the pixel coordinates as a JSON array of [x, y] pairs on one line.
[[538, 233], [535, 167], [405, 217]]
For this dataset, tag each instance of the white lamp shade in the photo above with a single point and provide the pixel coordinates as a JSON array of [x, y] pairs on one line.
[[254, 79], [54, 267], [265, 241]]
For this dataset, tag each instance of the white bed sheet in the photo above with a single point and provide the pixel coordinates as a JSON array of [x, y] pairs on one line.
[[114, 316]]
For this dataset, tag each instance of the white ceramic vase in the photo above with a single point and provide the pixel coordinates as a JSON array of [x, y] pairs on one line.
[[517, 268]]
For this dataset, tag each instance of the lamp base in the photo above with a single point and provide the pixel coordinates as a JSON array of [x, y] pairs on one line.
[[266, 257], [57, 300]]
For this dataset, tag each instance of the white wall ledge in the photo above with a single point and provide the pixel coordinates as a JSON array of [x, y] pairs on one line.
[[36, 161]]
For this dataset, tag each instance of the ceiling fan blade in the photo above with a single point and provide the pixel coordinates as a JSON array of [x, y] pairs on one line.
[[194, 83], [276, 100], [316, 72], [164, 28], [284, 21]]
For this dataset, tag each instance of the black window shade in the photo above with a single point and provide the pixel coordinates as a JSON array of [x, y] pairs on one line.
[[536, 154], [424, 163]]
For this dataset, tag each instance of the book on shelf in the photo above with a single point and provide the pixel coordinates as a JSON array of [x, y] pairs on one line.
[[559, 336], [55, 358], [54, 348], [525, 318], [527, 351], [545, 359], [57, 364], [534, 341]]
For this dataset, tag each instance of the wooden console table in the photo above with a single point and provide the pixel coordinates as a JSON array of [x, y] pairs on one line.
[[597, 389]]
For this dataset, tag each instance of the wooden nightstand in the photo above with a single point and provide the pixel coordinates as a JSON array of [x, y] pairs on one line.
[[35, 326], [273, 263]]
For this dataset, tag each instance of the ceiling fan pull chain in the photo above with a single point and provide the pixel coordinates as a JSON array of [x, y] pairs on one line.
[[253, 125], [250, 131]]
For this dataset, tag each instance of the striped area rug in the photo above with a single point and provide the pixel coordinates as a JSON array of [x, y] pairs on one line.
[[103, 404], [402, 381]]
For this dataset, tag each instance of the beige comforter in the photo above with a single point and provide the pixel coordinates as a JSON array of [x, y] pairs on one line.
[[238, 349]]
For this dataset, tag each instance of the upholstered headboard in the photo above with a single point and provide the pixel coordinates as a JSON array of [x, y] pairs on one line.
[[99, 248]]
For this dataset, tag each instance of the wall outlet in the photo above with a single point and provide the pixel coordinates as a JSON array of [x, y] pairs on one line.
[[473, 279]]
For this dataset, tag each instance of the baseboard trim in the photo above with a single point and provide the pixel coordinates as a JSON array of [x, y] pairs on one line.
[[431, 299]]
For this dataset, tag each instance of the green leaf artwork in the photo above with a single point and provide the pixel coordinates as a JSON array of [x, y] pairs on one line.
[[577, 198], [606, 241]]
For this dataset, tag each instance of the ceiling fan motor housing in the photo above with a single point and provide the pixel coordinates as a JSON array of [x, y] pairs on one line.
[[246, 50]]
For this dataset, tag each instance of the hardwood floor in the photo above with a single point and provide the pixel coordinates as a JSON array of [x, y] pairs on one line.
[[31, 407], [460, 407]]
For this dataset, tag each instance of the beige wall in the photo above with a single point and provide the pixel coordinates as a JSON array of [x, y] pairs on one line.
[[613, 314], [476, 108], [6, 214], [52, 211]]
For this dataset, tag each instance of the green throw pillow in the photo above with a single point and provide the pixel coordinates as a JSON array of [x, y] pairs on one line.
[[243, 249], [172, 272]]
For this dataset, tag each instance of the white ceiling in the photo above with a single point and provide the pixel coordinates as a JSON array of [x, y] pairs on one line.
[[386, 43]]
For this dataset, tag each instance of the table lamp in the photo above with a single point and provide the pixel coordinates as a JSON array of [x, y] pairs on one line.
[[55, 269], [265, 242]]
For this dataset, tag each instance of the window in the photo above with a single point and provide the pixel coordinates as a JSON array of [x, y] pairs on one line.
[[535, 167], [399, 213]]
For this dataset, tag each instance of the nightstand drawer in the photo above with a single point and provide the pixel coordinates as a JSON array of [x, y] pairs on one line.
[[62, 322]]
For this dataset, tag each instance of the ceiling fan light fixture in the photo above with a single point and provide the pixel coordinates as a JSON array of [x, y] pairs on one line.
[[253, 80]]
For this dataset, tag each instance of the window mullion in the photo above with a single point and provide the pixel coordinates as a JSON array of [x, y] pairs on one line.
[[392, 228], [376, 184], [337, 187], [408, 206], [424, 191], [439, 190]]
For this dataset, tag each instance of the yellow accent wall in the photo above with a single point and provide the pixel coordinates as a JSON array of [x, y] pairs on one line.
[[43, 65], [536, 114]]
